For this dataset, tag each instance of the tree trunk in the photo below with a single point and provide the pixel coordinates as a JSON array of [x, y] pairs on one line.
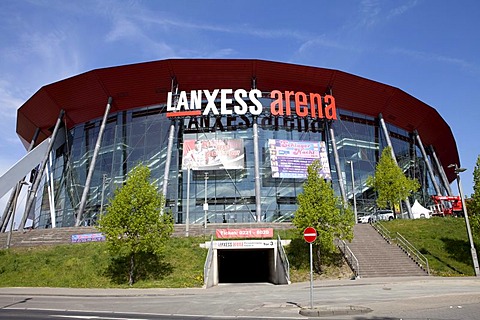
[[317, 261], [131, 271]]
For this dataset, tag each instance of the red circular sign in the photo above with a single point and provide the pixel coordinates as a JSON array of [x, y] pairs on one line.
[[310, 234]]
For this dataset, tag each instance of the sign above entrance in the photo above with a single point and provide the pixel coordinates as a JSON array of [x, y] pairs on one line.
[[244, 233], [245, 244]]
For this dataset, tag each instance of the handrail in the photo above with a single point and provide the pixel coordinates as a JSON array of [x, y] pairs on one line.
[[384, 232], [283, 257], [351, 259], [208, 263], [411, 250], [403, 243]]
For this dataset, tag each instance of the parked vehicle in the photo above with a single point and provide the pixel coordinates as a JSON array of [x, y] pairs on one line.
[[447, 206], [386, 215]]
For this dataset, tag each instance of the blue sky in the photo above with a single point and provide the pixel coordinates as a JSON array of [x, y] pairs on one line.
[[428, 48]]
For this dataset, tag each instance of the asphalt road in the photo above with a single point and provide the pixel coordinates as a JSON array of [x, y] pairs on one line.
[[380, 298]]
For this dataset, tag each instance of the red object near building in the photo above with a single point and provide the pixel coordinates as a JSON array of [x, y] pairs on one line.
[[447, 205], [310, 234]]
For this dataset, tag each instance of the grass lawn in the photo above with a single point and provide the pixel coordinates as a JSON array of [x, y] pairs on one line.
[[443, 241]]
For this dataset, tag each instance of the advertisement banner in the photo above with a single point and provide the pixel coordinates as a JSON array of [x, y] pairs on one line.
[[213, 154], [291, 158], [244, 233], [88, 237]]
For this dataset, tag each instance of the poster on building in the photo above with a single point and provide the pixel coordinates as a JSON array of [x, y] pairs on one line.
[[291, 158], [213, 154]]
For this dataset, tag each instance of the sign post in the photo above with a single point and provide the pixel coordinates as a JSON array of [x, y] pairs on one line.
[[310, 235]]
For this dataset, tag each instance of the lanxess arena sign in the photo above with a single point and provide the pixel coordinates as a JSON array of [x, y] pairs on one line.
[[311, 105]]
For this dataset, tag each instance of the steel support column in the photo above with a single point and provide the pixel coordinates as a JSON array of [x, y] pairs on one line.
[[389, 143], [16, 191], [50, 190], [256, 158], [83, 201], [168, 160], [443, 175], [33, 191], [341, 183], [427, 162]]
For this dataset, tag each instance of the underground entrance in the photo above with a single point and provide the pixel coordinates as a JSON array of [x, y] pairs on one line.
[[245, 265], [246, 261]]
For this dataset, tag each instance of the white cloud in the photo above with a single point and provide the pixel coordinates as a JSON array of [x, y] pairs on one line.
[[373, 12], [222, 53], [324, 43], [123, 29], [402, 9], [428, 56], [9, 102], [54, 54]]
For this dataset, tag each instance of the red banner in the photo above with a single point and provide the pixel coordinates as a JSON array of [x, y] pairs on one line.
[[244, 233]]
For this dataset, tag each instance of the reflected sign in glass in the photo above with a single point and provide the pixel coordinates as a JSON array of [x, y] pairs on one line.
[[213, 154], [291, 158]]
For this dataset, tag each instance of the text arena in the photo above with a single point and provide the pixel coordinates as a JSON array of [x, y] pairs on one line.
[[311, 105]]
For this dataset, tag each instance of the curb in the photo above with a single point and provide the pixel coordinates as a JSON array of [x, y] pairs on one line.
[[334, 311]]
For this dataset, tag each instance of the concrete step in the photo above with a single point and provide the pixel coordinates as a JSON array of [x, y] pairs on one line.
[[379, 258]]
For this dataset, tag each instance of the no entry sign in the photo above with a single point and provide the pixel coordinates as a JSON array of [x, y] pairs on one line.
[[310, 234]]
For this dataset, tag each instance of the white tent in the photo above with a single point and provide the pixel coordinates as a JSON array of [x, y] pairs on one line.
[[419, 211]]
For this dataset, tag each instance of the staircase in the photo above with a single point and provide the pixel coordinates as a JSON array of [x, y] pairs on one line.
[[378, 258]]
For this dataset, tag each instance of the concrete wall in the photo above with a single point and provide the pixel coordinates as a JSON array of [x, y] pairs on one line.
[[37, 237]]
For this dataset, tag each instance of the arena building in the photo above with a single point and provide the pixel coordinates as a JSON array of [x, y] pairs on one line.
[[227, 141]]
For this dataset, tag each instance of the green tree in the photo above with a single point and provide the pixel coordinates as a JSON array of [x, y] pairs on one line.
[[474, 202], [391, 185], [318, 207], [133, 225]]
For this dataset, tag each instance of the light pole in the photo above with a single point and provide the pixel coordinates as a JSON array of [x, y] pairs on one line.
[[205, 204], [469, 232], [187, 218], [353, 191]]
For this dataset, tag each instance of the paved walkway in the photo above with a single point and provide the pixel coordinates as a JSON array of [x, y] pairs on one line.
[[383, 297]]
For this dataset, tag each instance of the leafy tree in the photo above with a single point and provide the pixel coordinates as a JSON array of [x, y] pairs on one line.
[[474, 202], [133, 225], [391, 185], [318, 207]]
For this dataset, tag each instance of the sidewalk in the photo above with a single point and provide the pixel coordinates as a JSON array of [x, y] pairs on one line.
[[379, 296]]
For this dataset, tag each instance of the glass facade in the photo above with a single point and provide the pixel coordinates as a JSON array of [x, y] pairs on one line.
[[142, 136]]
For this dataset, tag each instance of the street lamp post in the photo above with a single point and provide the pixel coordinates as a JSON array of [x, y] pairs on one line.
[[187, 218], [205, 204], [353, 191], [467, 223]]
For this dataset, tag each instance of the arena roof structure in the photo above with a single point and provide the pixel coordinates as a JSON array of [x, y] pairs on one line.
[[83, 97]]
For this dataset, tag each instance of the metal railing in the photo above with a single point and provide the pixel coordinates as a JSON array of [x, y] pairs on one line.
[[404, 244], [384, 232], [348, 254], [208, 264], [413, 252], [283, 257]]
